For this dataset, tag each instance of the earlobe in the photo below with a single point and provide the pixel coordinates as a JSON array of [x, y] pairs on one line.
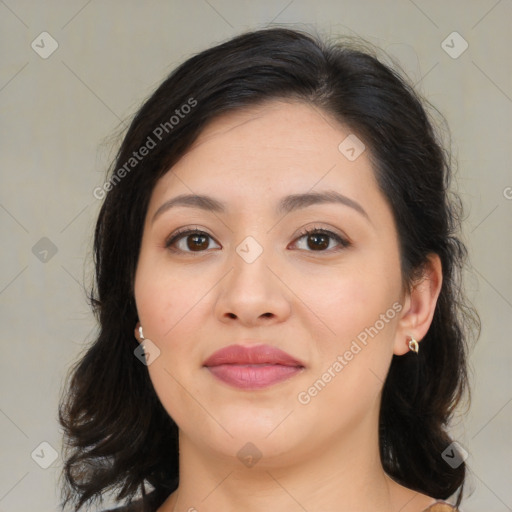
[[420, 306]]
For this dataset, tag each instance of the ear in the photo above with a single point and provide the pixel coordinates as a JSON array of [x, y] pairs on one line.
[[137, 333], [419, 305]]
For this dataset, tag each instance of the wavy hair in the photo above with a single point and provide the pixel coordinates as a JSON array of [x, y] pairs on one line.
[[118, 436]]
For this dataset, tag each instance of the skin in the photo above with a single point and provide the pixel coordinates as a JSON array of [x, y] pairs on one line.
[[319, 456]]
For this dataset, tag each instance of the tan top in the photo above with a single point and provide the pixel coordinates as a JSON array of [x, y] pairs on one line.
[[440, 506]]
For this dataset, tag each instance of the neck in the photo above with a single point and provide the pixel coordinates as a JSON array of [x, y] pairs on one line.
[[343, 474]]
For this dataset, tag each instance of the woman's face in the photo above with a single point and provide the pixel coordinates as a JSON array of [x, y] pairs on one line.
[[251, 277]]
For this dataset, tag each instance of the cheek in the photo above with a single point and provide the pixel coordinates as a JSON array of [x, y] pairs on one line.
[[353, 360], [164, 295], [171, 305], [352, 299], [165, 306]]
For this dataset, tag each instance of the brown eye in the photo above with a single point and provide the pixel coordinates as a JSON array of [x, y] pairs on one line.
[[197, 242], [318, 240], [189, 241]]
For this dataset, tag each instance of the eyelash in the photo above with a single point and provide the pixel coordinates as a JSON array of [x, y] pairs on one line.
[[184, 232]]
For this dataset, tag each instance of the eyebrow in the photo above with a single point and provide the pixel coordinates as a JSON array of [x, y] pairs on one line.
[[286, 205]]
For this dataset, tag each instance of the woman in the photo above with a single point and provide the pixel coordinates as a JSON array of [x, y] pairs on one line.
[[277, 285]]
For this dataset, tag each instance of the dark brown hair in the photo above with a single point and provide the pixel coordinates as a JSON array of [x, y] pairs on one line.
[[119, 436]]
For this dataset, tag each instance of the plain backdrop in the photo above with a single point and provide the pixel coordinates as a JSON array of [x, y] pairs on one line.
[[62, 112]]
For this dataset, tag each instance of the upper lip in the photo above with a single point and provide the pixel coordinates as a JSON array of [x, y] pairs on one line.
[[256, 354]]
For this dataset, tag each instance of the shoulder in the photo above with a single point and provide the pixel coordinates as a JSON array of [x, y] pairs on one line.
[[440, 506]]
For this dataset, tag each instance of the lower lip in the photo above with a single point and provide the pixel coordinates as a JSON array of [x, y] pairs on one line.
[[253, 377]]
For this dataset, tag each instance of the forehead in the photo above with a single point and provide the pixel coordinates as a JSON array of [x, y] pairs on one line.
[[275, 124], [264, 152], [271, 141]]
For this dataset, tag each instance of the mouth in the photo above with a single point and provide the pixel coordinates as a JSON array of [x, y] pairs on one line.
[[253, 367]]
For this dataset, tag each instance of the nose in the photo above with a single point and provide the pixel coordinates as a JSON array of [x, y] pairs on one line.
[[253, 293]]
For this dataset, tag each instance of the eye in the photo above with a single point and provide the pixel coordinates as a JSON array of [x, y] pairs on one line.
[[194, 241], [318, 240]]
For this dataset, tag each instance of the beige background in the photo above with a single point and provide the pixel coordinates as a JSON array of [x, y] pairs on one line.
[[59, 115]]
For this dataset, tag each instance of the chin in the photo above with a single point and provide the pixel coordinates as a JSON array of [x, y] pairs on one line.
[[270, 437]]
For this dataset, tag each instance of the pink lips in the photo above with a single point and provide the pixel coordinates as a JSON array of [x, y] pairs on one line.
[[252, 367]]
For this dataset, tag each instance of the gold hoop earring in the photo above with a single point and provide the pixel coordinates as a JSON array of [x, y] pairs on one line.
[[413, 345]]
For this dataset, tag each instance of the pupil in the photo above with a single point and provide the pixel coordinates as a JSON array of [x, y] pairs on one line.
[[193, 245], [316, 237]]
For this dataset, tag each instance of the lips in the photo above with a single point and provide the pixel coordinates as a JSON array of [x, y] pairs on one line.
[[260, 354], [252, 367]]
